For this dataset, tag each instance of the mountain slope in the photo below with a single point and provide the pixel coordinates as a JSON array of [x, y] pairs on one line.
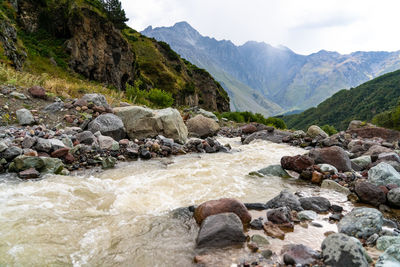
[[360, 103], [290, 80], [75, 39]]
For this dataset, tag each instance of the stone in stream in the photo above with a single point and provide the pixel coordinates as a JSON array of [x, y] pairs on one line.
[[108, 125], [273, 230], [299, 254], [332, 185], [297, 163], [361, 222], [29, 174], [335, 156], [390, 258], [25, 117], [221, 230], [285, 199], [23, 163], [222, 205], [384, 242], [394, 197], [255, 206], [279, 215], [259, 240], [307, 215], [383, 174], [340, 250], [257, 224], [370, 193], [274, 170], [202, 127], [328, 168], [317, 204]]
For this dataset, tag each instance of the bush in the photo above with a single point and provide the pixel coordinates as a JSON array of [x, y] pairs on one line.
[[160, 98], [388, 119], [154, 97], [247, 116], [330, 130]]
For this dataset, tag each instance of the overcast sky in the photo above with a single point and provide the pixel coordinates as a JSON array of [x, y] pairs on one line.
[[305, 26]]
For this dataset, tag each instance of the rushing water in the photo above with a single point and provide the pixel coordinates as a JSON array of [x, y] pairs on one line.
[[122, 217]]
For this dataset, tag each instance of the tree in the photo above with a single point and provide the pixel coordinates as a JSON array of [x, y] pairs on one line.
[[115, 12]]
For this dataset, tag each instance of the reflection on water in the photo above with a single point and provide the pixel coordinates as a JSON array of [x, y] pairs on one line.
[[121, 217]]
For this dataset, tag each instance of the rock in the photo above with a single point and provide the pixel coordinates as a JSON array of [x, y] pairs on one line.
[[109, 125], [25, 117], [370, 193], [267, 254], [384, 242], [52, 165], [362, 161], [202, 127], [257, 224], [317, 204], [97, 99], [56, 144], [328, 168], [394, 197], [86, 138], [108, 162], [28, 141], [392, 156], [356, 124], [37, 92], [222, 205], [279, 215], [339, 250], [299, 134], [255, 206], [248, 129], [274, 170], [273, 230], [3, 147], [22, 163], [221, 230], [377, 149], [43, 145], [371, 132], [315, 131], [299, 254], [285, 199], [259, 240], [334, 155], [145, 154], [332, 185], [316, 177], [297, 163], [29, 174], [11, 152], [307, 215], [361, 222], [383, 174], [371, 241], [54, 107], [205, 113], [60, 153], [107, 143], [142, 122], [18, 95], [390, 258], [275, 136]]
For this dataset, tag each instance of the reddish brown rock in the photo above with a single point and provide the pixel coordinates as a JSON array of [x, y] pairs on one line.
[[80, 103], [273, 230], [299, 254], [249, 129], [69, 158], [99, 109], [37, 92], [31, 173], [334, 155], [370, 132], [297, 163], [60, 153], [222, 205], [370, 193], [316, 177]]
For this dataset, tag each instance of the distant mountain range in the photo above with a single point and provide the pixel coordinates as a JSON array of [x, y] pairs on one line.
[[271, 80]]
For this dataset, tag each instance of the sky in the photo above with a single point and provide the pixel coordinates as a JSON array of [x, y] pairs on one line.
[[305, 26]]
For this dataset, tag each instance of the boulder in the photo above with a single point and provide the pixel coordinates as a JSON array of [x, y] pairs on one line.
[[25, 117], [52, 166], [97, 99], [299, 254], [56, 144], [390, 258], [3, 146], [248, 129], [29, 174], [86, 137], [315, 131], [332, 185], [383, 174], [142, 122], [377, 149], [362, 161], [384, 242], [370, 193], [107, 143], [285, 199], [339, 250], [394, 197], [29, 141], [274, 170], [297, 163], [221, 230], [356, 124], [222, 205], [11, 152], [37, 92], [259, 240], [328, 168], [43, 145], [108, 125], [54, 107], [23, 163], [202, 127], [361, 222], [317, 204], [279, 215], [391, 156], [275, 136], [334, 155], [371, 132], [307, 215]]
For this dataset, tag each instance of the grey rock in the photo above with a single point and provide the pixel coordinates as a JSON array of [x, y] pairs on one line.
[[54, 107], [332, 185], [362, 161], [392, 156], [383, 174], [307, 215], [107, 143], [274, 170], [390, 258], [315, 131], [11, 152], [285, 199], [97, 99], [202, 127], [3, 147], [361, 222], [317, 204], [275, 136], [18, 95], [279, 215], [56, 144], [109, 125], [25, 117], [328, 168], [335, 156], [43, 145], [29, 141], [221, 230], [384, 242], [339, 250], [86, 138], [394, 197]]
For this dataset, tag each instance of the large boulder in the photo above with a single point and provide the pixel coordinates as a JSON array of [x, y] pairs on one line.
[[142, 122], [371, 132], [221, 230], [377, 149], [361, 222], [285, 199], [202, 127], [315, 131], [384, 242], [334, 155], [108, 125], [97, 99], [370, 193], [23, 163], [299, 254], [339, 250], [390, 258], [394, 197], [25, 117], [222, 205], [317, 204], [383, 174], [297, 163]]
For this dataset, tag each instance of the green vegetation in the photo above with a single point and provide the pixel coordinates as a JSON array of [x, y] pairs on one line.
[[153, 98], [360, 103], [115, 12], [330, 130], [389, 119], [247, 117]]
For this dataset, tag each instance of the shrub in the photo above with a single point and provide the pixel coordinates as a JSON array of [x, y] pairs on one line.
[[247, 116], [154, 97], [160, 98], [330, 130]]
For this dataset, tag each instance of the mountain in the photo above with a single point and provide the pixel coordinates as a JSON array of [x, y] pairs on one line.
[[78, 40], [274, 74], [361, 103]]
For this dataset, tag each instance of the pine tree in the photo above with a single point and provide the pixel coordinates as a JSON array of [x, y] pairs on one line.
[[115, 12]]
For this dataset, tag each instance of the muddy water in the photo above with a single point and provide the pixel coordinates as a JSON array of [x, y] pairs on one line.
[[122, 217]]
